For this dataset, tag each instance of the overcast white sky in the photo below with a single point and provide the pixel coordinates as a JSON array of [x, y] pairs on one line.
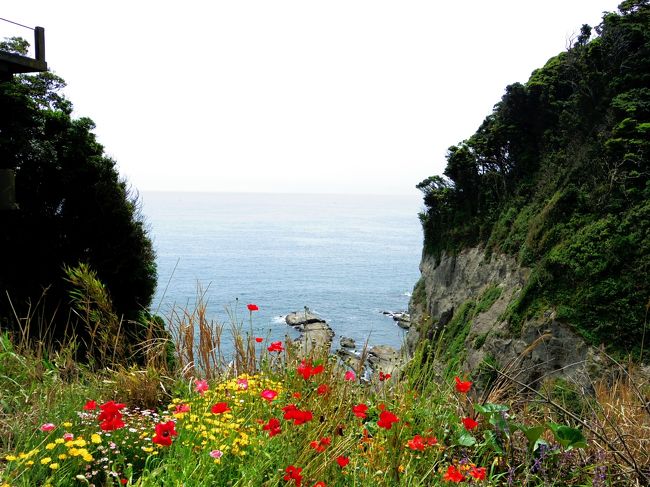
[[355, 96]]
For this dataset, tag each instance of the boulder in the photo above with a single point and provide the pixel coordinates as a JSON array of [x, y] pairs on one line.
[[302, 318], [347, 342]]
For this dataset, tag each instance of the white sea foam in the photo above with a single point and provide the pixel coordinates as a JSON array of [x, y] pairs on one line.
[[278, 319], [407, 294]]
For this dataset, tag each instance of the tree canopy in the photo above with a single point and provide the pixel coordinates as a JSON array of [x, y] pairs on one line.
[[73, 208], [558, 174]]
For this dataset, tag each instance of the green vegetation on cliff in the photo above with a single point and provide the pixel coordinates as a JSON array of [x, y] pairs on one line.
[[558, 175]]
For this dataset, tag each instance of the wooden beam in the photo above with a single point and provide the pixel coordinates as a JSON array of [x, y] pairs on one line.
[[39, 43]]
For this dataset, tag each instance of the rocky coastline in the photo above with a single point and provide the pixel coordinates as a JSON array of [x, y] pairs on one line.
[[317, 335]]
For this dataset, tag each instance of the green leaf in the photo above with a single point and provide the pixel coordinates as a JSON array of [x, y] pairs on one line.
[[532, 434], [490, 408], [568, 437], [466, 439]]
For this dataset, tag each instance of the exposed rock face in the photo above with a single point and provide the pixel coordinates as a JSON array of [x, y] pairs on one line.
[[315, 334], [543, 347], [346, 342], [384, 358]]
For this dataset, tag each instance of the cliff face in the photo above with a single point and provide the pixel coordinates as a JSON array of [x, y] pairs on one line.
[[537, 234], [462, 300]]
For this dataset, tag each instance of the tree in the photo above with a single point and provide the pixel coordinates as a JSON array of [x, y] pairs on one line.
[[73, 208]]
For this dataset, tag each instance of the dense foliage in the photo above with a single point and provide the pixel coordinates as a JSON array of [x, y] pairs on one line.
[[72, 208], [558, 175]]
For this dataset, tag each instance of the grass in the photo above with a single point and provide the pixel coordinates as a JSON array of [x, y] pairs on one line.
[[315, 425]]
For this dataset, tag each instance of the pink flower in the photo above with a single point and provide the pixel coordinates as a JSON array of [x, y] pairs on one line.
[[68, 437], [216, 453], [269, 394], [182, 408], [200, 386], [47, 427], [349, 375], [242, 384]]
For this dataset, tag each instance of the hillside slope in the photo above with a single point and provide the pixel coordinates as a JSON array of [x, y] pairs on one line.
[[547, 207]]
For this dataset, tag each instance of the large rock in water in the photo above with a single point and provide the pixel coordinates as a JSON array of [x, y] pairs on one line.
[[315, 333], [384, 358], [302, 318]]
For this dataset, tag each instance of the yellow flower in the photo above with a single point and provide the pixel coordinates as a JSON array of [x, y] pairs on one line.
[[96, 439], [67, 424], [58, 441], [45, 460], [10, 458], [87, 457], [54, 466], [29, 463], [63, 456], [50, 446]]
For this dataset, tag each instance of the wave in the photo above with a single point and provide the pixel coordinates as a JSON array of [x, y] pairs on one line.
[[407, 294], [278, 319]]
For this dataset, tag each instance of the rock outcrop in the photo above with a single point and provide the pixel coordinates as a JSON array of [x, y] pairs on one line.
[[543, 346], [315, 333]]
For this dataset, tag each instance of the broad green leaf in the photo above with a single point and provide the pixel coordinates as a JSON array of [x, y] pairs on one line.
[[466, 440]]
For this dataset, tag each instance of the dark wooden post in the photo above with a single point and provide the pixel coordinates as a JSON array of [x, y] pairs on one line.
[[39, 43]]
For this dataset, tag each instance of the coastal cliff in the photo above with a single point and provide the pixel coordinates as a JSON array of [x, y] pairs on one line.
[[537, 234], [464, 298]]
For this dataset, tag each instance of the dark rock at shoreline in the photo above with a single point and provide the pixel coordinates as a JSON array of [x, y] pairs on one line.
[[347, 342], [298, 318], [315, 333]]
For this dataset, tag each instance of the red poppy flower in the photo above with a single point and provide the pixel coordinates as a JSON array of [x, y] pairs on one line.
[[90, 406], [164, 433], [461, 386], [383, 377], [342, 461], [275, 347], [453, 475], [293, 473], [320, 484], [323, 389], [124, 481], [220, 407], [296, 395], [291, 412], [110, 417], [360, 410], [269, 394], [273, 427], [417, 443], [477, 472], [386, 420], [252, 307], [306, 370], [349, 375], [259, 339], [469, 423]]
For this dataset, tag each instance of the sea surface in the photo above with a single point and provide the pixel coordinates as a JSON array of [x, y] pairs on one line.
[[346, 257]]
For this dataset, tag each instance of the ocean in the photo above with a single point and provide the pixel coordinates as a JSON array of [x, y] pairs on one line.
[[346, 257]]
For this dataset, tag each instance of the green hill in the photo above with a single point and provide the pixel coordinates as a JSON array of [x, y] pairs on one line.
[[557, 175]]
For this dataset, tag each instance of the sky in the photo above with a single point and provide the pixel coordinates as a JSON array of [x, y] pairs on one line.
[[336, 96]]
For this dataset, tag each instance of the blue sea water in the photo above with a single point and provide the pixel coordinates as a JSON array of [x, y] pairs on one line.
[[346, 257]]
